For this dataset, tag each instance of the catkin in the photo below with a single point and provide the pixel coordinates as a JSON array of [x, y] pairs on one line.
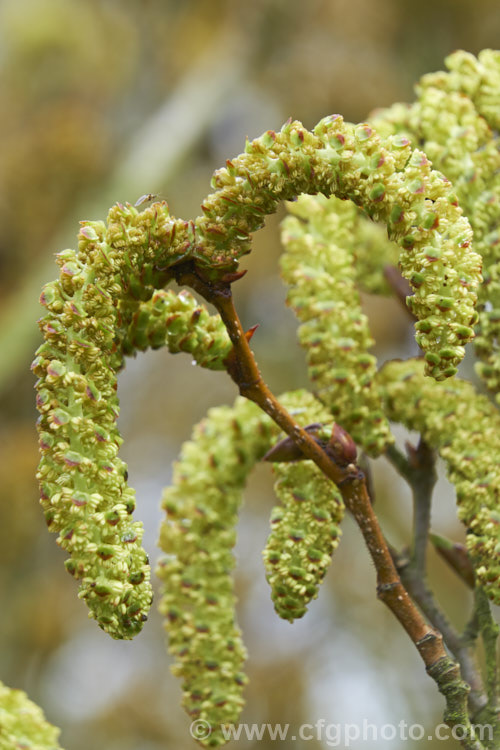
[[304, 535], [102, 307], [320, 273], [22, 723], [198, 537], [455, 120]]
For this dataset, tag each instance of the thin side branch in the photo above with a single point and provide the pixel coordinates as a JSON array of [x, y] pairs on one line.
[[489, 632], [420, 472]]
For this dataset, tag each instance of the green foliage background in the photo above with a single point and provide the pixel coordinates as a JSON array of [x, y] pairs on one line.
[[105, 100]]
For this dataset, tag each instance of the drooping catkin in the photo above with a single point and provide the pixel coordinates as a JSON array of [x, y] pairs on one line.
[[101, 308], [304, 535], [198, 537], [320, 273], [392, 183], [455, 120]]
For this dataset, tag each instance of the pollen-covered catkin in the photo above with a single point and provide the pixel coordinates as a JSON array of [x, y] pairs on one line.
[[391, 183], [465, 427], [320, 274], [22, 723], [477, 78], [455, 120], [182, 324], [198, 537], [83, 482], [304, 535], [103, 299]]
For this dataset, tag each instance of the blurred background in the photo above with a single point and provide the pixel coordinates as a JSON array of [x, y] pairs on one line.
[[103, 101]]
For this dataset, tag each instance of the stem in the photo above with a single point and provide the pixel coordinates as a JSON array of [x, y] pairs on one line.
[[420, 472], [425, 477], [489, 632], [243, 369], [400, 286], [484, 623]]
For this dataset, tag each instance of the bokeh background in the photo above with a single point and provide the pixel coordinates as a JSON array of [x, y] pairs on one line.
[[105, 100]]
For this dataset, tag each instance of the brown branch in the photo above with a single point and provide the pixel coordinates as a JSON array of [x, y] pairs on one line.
[[400, 286], [243, 369]]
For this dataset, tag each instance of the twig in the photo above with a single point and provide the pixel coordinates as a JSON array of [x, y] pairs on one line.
[[489, 633], [456, 556], [483, 622], [243, 369], [420, 473], [400, 286]]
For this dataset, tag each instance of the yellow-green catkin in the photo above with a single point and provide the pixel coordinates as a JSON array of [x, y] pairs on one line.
[[465, 428], [476, 77], [305, 526], [320, 273], [182, 324], [22, 723], [455, 114], [455, 120], [392, 183], [90, 310], [198, 537], [304, 534]]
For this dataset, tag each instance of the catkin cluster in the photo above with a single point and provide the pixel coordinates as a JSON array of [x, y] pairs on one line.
[[99, 309], [109, 302], [198, 536], [104, 306], [320, 273], [22, 723], [465, 427]]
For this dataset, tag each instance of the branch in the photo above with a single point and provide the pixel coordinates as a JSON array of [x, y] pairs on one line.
[[420, 472], [482, 622], [400, 286], [243, 369], [489, 632]]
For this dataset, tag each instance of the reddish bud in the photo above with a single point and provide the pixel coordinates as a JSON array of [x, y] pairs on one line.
[[341, 446]]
